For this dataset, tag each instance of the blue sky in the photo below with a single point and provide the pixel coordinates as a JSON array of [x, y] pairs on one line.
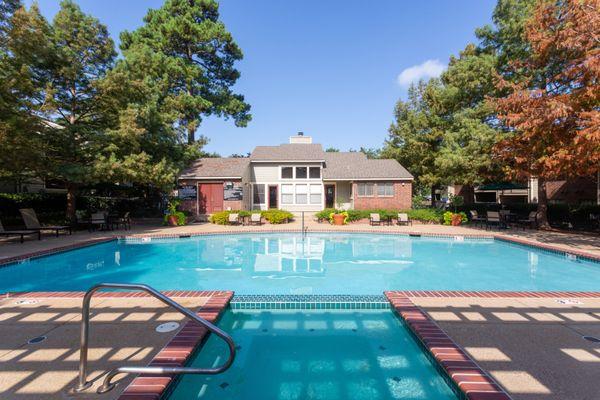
[[332, 69]]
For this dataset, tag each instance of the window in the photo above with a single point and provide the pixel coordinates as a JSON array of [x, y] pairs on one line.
[[301, 172], [287, 173], [287, 194], [385, 189], [314, 172], [316, 192], [365, 189], [301, 194], [258, 194]]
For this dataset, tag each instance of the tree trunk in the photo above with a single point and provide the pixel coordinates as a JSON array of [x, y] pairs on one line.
[[190, 134], [433, 196], [71, 204], [542, 208]]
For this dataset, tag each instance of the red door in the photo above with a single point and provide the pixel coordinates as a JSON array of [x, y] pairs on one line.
[[210, 197]]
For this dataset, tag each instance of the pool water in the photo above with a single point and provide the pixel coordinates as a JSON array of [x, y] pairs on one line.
[[333, 263], [287, 355]]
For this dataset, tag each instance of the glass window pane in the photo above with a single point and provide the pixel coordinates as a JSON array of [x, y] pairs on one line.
[[361, 189], [315, 198], [315, 172], [389, 189], [287, 173], [259, 194], [381, 189], [301, 173], [287, 194], [301, 194]]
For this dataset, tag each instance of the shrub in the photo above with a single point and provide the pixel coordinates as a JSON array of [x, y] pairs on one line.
[[273, 216], [277, 216], [429, 215], [181, 218], [426, 215], [449, 214]]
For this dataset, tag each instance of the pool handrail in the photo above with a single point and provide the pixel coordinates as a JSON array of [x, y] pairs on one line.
[[107, 385]]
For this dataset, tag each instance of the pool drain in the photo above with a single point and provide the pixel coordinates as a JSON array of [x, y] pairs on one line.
[[38, 339], [25, 302], [167, 327], [568, 301], [592, 339]]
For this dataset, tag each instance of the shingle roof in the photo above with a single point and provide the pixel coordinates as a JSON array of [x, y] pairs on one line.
[[288, 152], [216, 168], [356, 165]]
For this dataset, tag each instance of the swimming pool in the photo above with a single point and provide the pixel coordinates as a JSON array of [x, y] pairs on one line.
[[331, 355], [333, 263]]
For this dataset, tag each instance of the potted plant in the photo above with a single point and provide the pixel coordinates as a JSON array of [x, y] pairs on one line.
[[339, 217], [172, 216], [456, 219]]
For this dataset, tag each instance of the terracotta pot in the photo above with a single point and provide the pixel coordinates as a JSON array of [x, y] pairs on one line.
[[456, 219], [338, 219], [172, 220]]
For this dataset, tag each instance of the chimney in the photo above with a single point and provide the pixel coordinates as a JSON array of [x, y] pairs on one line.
[[299, 138]]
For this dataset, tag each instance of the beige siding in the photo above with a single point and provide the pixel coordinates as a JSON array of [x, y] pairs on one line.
[[264, 173]]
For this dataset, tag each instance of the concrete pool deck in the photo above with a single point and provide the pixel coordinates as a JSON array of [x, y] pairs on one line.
[[122, 332]]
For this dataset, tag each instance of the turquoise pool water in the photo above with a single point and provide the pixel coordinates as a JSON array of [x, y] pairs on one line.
[[366, 355], [320, 264]]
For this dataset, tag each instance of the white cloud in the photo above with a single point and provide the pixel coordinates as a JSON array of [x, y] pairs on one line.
[[428, 69]]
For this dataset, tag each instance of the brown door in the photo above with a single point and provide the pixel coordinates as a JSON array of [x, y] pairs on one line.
[[210, 197]]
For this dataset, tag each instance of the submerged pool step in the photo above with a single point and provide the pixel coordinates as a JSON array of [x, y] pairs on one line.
[[309, 302]]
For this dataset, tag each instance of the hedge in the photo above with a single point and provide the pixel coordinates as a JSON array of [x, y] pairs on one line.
[[274, 216], [421, 214]]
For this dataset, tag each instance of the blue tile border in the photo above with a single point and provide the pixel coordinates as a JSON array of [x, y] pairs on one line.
[[309, 302]]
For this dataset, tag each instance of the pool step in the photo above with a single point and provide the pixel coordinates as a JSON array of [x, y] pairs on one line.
[[309, 302]]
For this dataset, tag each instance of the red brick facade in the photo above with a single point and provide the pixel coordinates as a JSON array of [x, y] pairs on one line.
[[401, 200]]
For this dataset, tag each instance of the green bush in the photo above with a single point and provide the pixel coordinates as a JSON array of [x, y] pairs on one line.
[[273, 216], [449, 214], [277, 216], [428, 215]]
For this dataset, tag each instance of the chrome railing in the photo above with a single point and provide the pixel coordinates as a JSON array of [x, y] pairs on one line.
[[107, 384]]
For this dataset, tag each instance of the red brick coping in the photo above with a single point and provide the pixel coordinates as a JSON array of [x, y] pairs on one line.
[[469, 378]]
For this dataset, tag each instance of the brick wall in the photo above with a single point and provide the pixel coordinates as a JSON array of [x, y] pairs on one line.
[[402, 198]]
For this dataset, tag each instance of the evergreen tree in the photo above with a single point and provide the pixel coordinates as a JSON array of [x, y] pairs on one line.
[[188, 56]]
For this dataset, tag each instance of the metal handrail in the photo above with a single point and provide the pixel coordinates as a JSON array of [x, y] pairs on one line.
[[107, 384]]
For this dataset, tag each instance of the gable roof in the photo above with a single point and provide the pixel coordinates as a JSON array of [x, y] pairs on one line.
[[216, 168], [289, 152], [356, 165]]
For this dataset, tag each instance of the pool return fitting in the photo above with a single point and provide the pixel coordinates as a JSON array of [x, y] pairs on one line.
[[107, 385]]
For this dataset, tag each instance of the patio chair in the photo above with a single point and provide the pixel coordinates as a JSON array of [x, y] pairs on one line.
[[125, 220], [234, 219], [530, 221], [476, 219], [374, 219], [493, 219], [98, 219], [21, 233], [255, 219], [403, 219], [32, 223]]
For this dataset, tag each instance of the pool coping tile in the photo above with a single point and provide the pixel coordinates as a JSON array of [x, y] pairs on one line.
[[468, 377]]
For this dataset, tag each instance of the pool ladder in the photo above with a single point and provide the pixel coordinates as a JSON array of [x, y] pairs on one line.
[[107, 385]]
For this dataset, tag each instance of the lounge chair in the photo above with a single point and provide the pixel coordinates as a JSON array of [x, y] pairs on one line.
[[375, 219], [99, 220], [403, 219], [125, 220], [530, 222], [255, 219], [234, 219], [493, 219], [21, 233], [476, 219], [32, 223]]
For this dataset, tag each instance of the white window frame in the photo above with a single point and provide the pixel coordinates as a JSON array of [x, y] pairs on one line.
[[254, 185], [303, 192], [281, 172], [284, 193], [313, 192]]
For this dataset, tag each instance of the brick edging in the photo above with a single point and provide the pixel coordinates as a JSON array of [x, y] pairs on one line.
[[548, 247], [177, 351], [466, 374], [53, 250]]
